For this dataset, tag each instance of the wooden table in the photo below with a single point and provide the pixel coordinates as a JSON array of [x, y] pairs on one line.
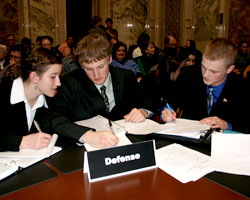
[[150, 184]]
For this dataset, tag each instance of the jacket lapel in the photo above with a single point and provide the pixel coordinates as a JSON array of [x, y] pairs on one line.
[[117, 83]]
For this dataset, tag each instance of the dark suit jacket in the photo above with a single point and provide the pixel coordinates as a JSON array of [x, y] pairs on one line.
[[79, 99], [191, 96], [13, 120]]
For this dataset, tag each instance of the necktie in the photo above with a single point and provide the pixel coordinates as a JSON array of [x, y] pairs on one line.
[[209, 99], [105, 98]]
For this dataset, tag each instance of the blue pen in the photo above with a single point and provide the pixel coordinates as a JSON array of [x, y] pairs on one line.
[[169, 108], [171, 111]]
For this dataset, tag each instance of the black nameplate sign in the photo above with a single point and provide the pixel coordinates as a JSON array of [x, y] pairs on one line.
[[119, 160]]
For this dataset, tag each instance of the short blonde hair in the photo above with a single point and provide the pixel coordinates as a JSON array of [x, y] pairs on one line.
[[221, 49], [3, 48], [93, 48]]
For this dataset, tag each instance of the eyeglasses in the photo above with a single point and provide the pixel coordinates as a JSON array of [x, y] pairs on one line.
[[15, 57]]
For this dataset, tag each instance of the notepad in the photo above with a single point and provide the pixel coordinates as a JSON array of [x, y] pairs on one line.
[[26, 157]]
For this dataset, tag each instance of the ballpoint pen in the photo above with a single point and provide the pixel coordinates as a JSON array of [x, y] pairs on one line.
[[51, 143], [171, 111], [37, 126], [110, 126]]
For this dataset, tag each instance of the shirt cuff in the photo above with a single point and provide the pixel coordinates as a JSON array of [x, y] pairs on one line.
[[149, 113], [229, 126]]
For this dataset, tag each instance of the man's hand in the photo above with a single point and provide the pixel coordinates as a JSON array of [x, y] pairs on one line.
[[167, 116], [216, 122], [35, 141], [100, 139], [136, 115]]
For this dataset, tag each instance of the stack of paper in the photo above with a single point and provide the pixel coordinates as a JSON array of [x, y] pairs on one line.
[[185, 128], [100, 123], [230, 153], [183, 163], [181, 127], [142, 128]]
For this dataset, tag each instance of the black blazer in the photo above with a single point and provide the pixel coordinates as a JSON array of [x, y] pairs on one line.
[[13, 120], [79, 99], [191, 96]]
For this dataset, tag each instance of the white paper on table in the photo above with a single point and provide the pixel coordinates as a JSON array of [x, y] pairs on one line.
[[24, 161], [183, 163], [230, 153], [185, 128], [100, 123], [123, 140], [142, 128]]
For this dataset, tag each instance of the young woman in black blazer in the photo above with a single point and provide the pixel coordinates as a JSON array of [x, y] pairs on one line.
[[23, 101]]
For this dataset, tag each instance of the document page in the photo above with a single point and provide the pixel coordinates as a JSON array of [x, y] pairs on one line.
[[183, 163], [142, 128], [123, 140], [6, 169], [230, 153], [100, 123], [24, 161], [185, 128]]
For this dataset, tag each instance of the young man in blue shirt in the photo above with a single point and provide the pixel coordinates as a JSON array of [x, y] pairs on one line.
[[211, 93]]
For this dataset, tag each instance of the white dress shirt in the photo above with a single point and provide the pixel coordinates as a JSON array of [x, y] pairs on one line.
[[109, 91], [17, 95]]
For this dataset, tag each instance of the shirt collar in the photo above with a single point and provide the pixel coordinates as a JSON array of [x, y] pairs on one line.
[[107, 83], [218, 88], [17, 94]]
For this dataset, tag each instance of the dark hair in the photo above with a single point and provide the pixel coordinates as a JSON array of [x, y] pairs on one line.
[[192, 44], [144, 37], [242, 42], [186, 52], [47, 37], [96, 19], [10, 34], [116, 47], [145, 46], [166, 40], [109, 20], [26, 40], [39, 38], [38, 62], [18, 47]]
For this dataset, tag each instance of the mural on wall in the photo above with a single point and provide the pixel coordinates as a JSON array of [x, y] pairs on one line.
[[173, 18], [239, 21], [129, 19], [8, 19], [206, 19], [42, 18]]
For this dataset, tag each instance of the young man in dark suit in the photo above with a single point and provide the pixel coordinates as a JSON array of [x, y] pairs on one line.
[[211, 93], [81, 95]]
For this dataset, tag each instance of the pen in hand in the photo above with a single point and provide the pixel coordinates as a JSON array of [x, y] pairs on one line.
[[171, 111], [111, 127], [37, 126]]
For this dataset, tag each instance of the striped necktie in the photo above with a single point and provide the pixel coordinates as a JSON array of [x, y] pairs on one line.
[[105, 97], [209, 99]]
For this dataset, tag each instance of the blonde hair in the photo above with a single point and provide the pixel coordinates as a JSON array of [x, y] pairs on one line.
[[221, 49], [93, 48]]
